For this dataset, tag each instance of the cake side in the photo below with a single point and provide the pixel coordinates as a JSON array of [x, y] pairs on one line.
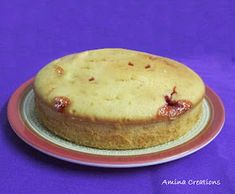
[[116, 135]]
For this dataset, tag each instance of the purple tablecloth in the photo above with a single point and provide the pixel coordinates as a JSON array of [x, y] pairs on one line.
[[199, 33]]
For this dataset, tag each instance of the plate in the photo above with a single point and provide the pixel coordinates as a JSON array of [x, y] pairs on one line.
[[24, 122]]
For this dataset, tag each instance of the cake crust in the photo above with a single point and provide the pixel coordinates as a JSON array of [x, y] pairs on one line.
[[116, 135]]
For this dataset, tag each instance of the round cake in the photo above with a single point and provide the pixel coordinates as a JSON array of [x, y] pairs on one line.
[[118, 98]]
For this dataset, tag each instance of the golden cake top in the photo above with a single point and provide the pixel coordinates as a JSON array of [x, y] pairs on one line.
[[119, 85]]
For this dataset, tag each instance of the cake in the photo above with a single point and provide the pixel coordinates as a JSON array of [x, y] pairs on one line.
[[118, 99]]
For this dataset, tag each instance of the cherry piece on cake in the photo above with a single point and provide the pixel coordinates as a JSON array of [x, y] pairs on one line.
[[60, 103]]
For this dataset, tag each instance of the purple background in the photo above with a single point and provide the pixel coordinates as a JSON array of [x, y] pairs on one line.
[[199, 33]]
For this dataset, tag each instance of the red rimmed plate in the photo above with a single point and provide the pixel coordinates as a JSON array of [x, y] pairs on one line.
[[25, 124]]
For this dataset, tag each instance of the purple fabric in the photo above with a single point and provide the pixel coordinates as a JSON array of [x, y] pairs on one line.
[[198, 33]]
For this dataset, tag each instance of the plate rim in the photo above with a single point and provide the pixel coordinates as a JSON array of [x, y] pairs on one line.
[[211, 130]]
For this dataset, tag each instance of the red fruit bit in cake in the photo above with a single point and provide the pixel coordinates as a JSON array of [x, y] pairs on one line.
[[130, 64], [60, 103], [173, 111], [147, 66], [169, 99], [173, 108], [59, 70], [91, 79]]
